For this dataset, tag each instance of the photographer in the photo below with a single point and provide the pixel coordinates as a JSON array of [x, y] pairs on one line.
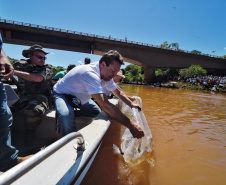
[[8, 154]]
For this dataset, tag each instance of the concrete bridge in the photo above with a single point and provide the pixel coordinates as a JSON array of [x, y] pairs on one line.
[[147, 56]]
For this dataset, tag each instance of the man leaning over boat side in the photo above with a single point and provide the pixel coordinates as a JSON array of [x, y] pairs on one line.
[[8, 153], [85, 82], [35, 88]]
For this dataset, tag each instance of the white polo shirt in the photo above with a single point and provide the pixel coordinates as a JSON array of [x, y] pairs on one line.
[[83, 81]]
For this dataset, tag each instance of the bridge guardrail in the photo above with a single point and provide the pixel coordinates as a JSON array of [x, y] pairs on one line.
[[34, 25], [70, 31], [49, 28], [63, 30], [99, 36], [42, 27], [18, 23], [56, 29]]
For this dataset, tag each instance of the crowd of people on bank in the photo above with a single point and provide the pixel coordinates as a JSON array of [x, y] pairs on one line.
[[79, 87], [209, 80]]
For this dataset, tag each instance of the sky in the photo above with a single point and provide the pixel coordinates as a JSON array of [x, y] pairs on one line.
[[193, 24]]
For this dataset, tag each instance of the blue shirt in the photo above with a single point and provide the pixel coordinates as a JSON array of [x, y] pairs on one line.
[[1, 43]]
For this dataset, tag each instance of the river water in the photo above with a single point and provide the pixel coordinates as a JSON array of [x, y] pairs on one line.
[[189, 141]]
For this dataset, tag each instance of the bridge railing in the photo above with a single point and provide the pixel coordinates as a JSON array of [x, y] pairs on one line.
[[98, 36]]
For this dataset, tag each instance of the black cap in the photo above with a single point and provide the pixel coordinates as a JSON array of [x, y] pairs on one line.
[[70, 66], [87, 60]]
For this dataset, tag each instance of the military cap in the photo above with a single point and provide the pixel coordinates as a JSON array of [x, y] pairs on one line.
[[33, 48]]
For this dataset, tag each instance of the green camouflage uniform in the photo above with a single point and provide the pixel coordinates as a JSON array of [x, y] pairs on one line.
[[34, 96]]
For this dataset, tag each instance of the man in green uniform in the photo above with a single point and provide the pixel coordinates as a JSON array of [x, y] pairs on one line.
[[35, 88], [61, 74]]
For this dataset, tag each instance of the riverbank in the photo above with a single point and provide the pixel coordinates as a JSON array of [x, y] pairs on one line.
[[186, 85], [194, 86]]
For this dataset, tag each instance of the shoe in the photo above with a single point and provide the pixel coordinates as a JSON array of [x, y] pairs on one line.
[[5, 168], [21, 159]]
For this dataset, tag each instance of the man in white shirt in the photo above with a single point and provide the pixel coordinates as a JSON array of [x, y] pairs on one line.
[[87, 81]]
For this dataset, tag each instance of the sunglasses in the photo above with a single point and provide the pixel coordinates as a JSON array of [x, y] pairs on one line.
[[39, 57]]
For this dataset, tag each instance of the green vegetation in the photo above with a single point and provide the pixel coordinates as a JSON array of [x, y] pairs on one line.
[[57, 69], [198, 86], [162, 75], [161, 72], [192, 86], [166, 72], [193, 70], [196, 52], [166, 45], [134, 73], [11, 60], [175, 46]]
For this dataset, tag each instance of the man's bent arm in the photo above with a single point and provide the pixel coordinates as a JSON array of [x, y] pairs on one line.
[[29, 76], [117, 115]]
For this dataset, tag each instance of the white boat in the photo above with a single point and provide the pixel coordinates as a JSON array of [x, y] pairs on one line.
[[67, 159]]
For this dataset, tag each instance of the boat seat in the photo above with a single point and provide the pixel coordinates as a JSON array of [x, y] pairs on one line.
[[45, 132]]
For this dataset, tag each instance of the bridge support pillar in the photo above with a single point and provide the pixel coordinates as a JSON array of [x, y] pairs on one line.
[[149, 75], [8, 34]]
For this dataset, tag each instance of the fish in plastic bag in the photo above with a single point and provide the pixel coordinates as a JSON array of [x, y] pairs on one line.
[[135, 149]]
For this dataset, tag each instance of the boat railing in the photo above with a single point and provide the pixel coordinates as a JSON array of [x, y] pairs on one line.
[[19, 170]]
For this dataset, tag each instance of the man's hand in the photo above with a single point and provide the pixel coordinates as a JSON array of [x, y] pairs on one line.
[[136, 130], [6, 68], [136, 106]]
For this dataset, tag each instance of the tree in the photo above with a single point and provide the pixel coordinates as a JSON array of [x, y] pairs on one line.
[[196, 52], [193, 70], [175, 46], [166, 72], [165, 45], [158, 72], [184, 72], [133, 73], [224, 57]]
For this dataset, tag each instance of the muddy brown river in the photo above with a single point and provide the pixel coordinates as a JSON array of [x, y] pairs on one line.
[[189, 141]]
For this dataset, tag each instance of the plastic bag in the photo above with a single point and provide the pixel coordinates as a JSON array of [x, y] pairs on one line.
[[135, 149]]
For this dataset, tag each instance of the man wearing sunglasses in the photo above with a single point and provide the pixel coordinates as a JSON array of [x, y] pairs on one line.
[[35, 88]]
